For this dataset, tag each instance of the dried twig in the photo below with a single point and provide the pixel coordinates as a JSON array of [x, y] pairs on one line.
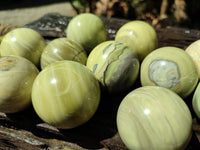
[[179, 10], [5, 28]]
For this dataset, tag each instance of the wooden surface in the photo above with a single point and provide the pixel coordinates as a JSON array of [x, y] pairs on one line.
[[24, 130]]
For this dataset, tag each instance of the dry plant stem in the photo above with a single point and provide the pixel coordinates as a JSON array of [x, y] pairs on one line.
[[77, 10], [5, 28], [179, 10], [102, 7], [163, 9]]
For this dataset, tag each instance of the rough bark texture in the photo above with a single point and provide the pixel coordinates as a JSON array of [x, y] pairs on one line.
[[24, 130]]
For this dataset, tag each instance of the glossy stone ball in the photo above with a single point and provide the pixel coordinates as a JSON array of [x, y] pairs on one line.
[[138, 35], [16, 79], [172, 68], [153, 117], [63, 49], [196, 101], [88, 30], [115, 65], [194, 51], [23, 42], [65, 94]]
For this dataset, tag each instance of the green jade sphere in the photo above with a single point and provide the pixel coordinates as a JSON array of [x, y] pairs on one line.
[[62, 49], [23, 42], [115, 65], [154, 118], [172, 68], [88, 30], [17, 75], [196, 101], [65, 94], [138, 35]]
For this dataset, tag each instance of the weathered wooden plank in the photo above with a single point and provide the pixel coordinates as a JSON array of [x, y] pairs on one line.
[[22, 139], [179, 37]]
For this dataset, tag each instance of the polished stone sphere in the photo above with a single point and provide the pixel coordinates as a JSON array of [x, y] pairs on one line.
[[88, 30], [194, 51], [154, 118], [65, 94], [62, 49], [23, 42], [115, 65], [172, 68], [196, 101], [17, 75], [138, 35]]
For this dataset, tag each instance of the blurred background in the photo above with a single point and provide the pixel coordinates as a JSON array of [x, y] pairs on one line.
[[12, 4], [160, 13]]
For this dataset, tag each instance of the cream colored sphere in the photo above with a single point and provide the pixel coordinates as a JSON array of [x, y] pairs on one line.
[[194, 51]]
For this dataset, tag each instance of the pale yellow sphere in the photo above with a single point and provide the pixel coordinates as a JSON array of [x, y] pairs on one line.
[[194, 51]]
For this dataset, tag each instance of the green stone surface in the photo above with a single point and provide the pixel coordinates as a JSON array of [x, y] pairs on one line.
[[88, 30], [23, 42], [154, 118], [62, 49], [196, 101], [115, 65], [170, 67], [65, 94], [138, 35], [17, 75]]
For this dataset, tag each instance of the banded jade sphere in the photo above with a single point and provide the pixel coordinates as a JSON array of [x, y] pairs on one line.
[[194, 51], [16, 79], [23, 42], [65, 94], [172, 68], [88, 30], [138, 35], [62, 49], [115, 65], [196, 101], [154, 118]]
